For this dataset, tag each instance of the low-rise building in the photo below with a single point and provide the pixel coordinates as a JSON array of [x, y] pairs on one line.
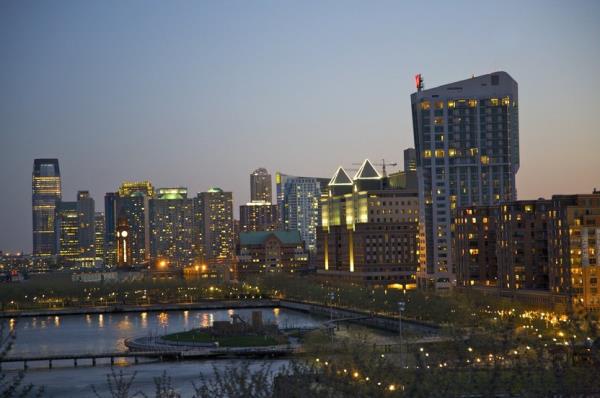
[[271, 251]]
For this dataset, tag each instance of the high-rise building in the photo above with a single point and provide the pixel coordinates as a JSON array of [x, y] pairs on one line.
[[132, 204], [68, 223], [410, 159], [46, 193], [110, 228], [467, 145], [260, 186], [171, 227], [213, 214], [87, 233], [99, 234], [258, 216], [299, 206], [574, 249], [369, 230]]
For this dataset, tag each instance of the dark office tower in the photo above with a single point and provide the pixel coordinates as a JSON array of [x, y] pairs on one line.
[[410, 159], [171, 225], [110, 225], [467, 145], [46, 193], [260, 186], [299, 206], [215, 209], [132, 203], [99, 233], [258, 216], [67, 217], [87, 233]]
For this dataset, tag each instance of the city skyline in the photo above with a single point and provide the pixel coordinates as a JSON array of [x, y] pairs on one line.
[[182, 136]]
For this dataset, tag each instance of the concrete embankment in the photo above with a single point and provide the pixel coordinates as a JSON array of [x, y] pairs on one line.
[[379, 321], [200, 305]]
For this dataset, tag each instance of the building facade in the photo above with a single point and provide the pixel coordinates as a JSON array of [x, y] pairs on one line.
[[171, 227], [369, 231], [213, 216], [271, 252], [475, 231], [261, 186], [574, 250], [299, 205], [46, 193], [258, 216], [467, 149]]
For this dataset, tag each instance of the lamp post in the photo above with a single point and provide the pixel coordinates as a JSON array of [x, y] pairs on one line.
[[331, 298], [401, 305]]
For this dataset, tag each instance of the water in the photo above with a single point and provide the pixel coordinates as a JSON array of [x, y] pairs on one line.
[[107, 332]]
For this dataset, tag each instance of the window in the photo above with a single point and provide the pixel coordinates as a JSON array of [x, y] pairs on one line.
[[425, 105]]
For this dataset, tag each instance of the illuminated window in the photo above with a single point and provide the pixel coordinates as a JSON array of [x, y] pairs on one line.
[[506, 101], [528, 209], [473, 252], [451, 104], [439, 104], [439, 153], [427, 153], [472, 103], [425, 105], [494, 101], [485, 159], [438, 120], [474, 220], [473, 151], [451, 152]]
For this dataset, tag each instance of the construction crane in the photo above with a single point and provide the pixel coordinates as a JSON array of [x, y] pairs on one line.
[[383, 165]]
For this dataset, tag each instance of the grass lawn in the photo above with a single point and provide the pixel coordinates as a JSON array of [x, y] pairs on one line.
[[201, 336]]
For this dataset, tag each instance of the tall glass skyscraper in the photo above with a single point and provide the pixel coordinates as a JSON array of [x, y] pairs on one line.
[[46, 193], [467, 145], [299, 206]]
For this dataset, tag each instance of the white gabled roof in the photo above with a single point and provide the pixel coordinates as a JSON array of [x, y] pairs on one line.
[[367, 172]]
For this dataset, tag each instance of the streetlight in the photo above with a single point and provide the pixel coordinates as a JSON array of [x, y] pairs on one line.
[[331, 298], [401, 305]]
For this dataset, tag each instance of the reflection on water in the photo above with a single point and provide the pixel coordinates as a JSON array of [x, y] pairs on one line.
[[88, 319], [144, 316], [56, 321], [163, 319], [101, 320], [276, 312]]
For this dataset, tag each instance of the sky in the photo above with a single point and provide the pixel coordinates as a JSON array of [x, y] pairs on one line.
[[200, 93]]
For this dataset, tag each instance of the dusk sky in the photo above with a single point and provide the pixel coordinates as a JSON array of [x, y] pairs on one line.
[[200, 93]]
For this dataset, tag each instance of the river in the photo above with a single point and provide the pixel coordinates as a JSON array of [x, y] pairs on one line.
[[107, 332]]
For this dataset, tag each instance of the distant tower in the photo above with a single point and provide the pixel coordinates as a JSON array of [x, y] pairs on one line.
[[123, 242], [87, 238], [410, 159], [260, 186], [46, 193]]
